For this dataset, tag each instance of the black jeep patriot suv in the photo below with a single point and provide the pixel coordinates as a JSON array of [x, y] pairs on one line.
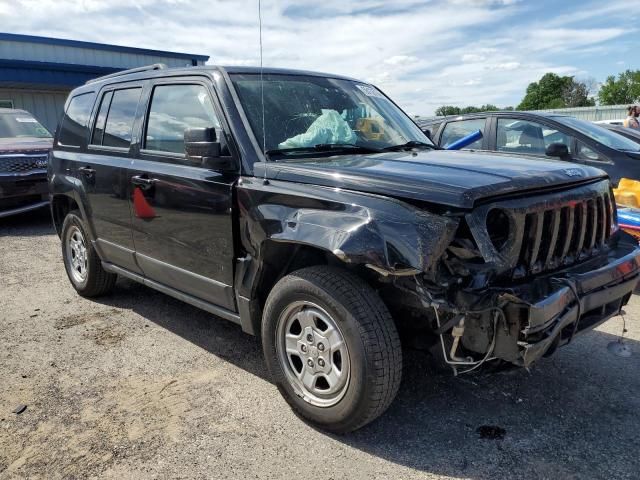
[[309, 209]]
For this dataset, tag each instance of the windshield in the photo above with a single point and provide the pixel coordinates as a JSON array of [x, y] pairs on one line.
[[19, 124], [303, 112], [600, 134]]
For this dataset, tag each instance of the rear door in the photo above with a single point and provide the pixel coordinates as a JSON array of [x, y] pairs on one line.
[[104, 171], [182, 212]]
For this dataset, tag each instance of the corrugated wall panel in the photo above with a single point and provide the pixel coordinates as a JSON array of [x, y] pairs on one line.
[[46, 106], [63, 54], [593, 114]]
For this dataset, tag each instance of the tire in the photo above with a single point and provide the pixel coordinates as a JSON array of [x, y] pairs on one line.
[[362, 362], [81, 261]]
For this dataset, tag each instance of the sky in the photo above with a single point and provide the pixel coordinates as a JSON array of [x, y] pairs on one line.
[[421, 53]]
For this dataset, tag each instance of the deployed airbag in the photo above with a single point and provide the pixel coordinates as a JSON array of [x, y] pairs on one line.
[[329, 127]]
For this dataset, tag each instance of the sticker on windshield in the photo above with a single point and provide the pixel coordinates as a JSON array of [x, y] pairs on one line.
[[369, 91], [26, 120]]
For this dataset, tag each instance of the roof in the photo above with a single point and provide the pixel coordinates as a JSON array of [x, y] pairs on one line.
[[63, 75], [140, 73], [499, 113], [280, 71], [13, 37]]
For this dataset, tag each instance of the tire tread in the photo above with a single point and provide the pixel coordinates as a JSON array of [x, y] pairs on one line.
[[377, 330]]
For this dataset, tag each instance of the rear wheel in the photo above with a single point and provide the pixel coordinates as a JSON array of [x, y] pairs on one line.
[[332, 347], [81, 261]]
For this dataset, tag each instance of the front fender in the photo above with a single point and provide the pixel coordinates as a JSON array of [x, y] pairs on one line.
[[390, 236]]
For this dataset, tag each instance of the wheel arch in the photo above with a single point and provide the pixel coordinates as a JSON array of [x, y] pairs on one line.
[[285, 226], [61, 205]]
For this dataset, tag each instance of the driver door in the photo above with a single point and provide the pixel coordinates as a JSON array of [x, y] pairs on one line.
[[182, 211]]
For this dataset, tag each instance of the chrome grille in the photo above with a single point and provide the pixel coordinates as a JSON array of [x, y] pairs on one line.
[[23, 163], [545, 232], [564, 235]]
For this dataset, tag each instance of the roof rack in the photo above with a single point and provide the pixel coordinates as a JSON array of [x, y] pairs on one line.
[[155, 66]]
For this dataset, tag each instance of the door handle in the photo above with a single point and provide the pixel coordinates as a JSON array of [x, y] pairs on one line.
[[89, 174], [143, 182]]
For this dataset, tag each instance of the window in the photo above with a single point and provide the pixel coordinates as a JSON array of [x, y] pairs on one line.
[[551, 135], [6, 103], [73, 131], [122, 112], [20, 124], [430, 129], [599, 134], [302, 111], [522, 136], [454, 131], [98, 130], [174, 109], [586, 153]]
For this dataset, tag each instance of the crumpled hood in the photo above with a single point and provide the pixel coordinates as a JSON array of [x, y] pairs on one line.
[[453, 178]]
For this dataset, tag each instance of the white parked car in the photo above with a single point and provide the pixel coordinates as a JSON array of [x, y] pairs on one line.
[[611, 122]]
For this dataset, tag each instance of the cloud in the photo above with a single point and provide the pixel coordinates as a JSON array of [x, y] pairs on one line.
[[473, 57], [504, 66], [424, 53], [401, 60]]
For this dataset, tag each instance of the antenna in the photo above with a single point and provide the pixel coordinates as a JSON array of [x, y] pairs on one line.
[[264, 133]]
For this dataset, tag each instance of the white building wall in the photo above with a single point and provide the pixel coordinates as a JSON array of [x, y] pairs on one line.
[[593, 114]]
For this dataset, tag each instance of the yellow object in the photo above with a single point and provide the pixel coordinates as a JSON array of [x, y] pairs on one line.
[[370, 128], [628, 192]]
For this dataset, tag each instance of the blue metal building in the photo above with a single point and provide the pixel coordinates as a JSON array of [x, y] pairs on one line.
[[37, 73]]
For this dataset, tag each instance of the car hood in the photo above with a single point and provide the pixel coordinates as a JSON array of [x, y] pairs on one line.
[[453, 178], [24, 144]]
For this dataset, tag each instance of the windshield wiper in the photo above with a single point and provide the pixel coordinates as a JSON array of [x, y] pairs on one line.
[[409, 145], [325, 147]]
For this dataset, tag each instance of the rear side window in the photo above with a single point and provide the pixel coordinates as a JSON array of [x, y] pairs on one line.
[[98, 130], [73, 131], [119, 122], [522, 136], [454, 131], [174, 109]]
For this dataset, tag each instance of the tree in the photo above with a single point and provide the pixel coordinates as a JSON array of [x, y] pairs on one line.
[[577, 95], [554, 91], [452, 110], [445, 110], [624, 90]]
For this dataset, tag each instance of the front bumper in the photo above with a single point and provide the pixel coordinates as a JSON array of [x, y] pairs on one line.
[[579, 300], [23, 192]]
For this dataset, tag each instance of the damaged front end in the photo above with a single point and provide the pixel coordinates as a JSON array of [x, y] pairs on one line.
[[511, 279], [525, 275]]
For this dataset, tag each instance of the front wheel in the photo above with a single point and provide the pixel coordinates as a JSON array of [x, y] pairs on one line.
[[331, 347]]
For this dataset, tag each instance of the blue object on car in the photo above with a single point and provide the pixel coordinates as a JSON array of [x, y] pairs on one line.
[[629, 220], [465, 141]]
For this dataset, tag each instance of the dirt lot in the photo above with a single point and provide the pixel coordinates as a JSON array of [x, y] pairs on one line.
[[138, 385]]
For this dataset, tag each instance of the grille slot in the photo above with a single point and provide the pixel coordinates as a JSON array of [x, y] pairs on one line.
[[22, 163], [563, 235]]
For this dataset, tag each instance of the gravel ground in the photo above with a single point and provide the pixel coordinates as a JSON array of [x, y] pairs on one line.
[[139, 385]]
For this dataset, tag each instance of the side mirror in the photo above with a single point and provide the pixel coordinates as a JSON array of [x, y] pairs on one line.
[[202, 147], [201, 143], [559, 150], [427, 132]]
